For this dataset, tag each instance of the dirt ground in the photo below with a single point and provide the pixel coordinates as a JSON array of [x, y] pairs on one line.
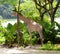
[[26, 50]]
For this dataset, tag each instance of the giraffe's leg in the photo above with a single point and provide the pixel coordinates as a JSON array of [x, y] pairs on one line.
[[30, 39], [41, 37]]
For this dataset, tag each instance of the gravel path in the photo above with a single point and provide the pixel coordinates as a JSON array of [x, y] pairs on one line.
[[26, 51]]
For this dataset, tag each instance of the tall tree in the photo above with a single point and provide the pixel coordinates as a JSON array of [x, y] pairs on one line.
[[18, 29], [47, 6], [41, 10], [19, 34]]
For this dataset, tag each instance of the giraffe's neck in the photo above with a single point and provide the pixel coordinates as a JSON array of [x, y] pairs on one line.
[[24, 19]]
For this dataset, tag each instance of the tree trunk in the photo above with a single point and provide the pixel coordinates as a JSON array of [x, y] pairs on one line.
[[52, 22], [42, 17], [18, 29], [52, 19], [19, 33]]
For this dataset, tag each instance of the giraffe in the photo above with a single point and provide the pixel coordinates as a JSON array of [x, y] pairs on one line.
[[32, 26]]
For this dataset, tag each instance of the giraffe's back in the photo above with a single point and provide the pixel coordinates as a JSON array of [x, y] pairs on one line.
[[33, 26]]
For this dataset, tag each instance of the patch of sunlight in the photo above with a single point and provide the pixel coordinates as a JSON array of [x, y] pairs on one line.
[[2, 39]]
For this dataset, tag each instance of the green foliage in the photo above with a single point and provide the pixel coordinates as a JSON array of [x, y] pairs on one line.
[[48, 31], [9, 26], [49, 46], [11, 2], [34, 40], [11, 34], [26, 39], [29, 10], [9, 37], [50, 36], [2, 32], [57, 13], [58, 25]]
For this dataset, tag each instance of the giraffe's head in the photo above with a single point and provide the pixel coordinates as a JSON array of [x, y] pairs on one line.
[[13, 13]]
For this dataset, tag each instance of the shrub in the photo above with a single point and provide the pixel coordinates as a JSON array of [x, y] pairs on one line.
[[26, 39], [49, 46], [49, 32], [2, 32], [9, 35]]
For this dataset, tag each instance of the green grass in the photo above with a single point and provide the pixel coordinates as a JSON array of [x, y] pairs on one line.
[[50, 47]]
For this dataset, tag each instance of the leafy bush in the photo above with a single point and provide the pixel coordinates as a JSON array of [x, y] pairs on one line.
[[2, 38], [9, 37], [49, 46], [34, 40], [26, 39], [2, 32], [11, 34], [49, 31]]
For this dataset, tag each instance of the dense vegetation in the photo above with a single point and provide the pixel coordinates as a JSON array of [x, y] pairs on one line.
[[8, 35]]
